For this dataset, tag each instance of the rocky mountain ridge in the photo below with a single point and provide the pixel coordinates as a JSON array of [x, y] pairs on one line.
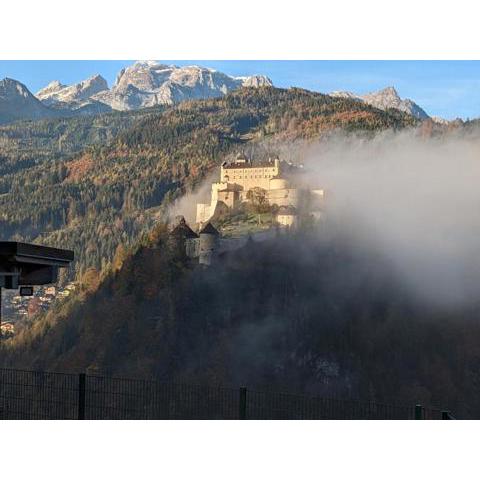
[[56, 92], [384, 99], [17, 103], [147, 84]]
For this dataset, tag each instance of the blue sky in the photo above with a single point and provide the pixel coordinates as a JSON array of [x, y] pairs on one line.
[[448, 89]]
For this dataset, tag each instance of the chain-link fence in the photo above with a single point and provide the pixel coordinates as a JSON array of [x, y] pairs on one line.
[[44, 395]]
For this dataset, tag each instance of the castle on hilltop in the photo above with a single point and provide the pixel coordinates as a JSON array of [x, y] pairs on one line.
[[244, 181], [281, 187]]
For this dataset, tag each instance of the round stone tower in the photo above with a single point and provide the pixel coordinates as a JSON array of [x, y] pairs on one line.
[[208, 237]]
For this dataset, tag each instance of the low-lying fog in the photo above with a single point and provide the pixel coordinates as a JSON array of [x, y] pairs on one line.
[[414, 200]]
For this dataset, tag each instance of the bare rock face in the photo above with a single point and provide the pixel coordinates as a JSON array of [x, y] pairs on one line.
[[389, 98], [18, 103], [146, 84], [256, 81], [385, 99], [51, 90], [72, 96]]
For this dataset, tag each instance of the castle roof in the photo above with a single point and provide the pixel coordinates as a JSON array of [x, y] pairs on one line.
[[210, 229], [249, 164], [183, 230]]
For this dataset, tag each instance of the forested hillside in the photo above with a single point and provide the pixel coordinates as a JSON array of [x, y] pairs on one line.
[[96, 182], [300, 312], [304, 312], [57, 138]]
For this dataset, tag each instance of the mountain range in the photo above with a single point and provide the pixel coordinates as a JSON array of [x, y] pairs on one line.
[[77, 98], [141, 85], [384, 99], [148, 84]]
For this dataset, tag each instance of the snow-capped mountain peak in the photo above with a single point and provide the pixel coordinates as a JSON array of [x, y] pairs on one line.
[[147, 83]]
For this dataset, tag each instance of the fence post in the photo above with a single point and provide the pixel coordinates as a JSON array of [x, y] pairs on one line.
[[419, 412], [81, 396], [242, 413]]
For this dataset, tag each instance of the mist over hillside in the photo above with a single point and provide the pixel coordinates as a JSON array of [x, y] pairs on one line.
[[310, 312], [412, 199], [94, 183], [378, 301]]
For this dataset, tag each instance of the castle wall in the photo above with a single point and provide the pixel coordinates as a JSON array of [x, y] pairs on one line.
[[229, 198], [216, 187], [250, 177], [207, 244], [284, 197], [192, 247], [203, 212], [278, 183]]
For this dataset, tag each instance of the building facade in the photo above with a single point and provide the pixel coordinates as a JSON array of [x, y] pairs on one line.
[[241, 179]]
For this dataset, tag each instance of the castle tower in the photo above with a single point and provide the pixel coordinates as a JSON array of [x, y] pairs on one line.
[[208, 237], [183, 238]]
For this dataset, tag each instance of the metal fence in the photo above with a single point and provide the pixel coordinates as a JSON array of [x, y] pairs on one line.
[[44, 395], [118, 398], [26, 395]]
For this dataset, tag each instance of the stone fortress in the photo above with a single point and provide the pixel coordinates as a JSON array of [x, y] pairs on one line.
[[280, 184]]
